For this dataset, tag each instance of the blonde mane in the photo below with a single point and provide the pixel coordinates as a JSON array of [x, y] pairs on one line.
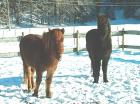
[[53, 41]]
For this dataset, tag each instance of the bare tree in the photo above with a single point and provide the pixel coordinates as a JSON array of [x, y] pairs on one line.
[[54, 12], [4, 13]]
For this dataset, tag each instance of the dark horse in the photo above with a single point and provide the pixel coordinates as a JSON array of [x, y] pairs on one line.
[[99, 47], [39, 54]]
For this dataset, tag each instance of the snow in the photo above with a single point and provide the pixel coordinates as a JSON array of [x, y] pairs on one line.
[[72, 82]]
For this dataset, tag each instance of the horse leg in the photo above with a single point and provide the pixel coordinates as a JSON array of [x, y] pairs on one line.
[[49, 77], [27, 76], [104, 68], [38, 81], [92, 64], [95, 67], [96, 71], [32, 78]]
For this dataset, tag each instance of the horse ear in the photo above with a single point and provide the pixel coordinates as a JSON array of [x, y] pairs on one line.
[[63, 30], [49, 29], [102, 15]]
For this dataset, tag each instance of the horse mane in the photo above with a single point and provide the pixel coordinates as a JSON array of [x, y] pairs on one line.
[[53, 44], [103, 24]]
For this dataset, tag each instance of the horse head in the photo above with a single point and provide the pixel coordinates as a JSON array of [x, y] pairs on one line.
[[103, 24], [53, 41]]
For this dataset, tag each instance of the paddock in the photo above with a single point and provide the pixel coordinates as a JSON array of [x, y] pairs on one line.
[[72, 82]]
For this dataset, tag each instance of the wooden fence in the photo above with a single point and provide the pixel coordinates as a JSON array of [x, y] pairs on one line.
[[76, 36], [124, 33], [121, 33]]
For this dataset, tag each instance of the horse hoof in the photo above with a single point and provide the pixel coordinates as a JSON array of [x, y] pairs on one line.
[[35, 95], [95, 82], [26, 91], [106, 81], [29, 90], [48, 95]]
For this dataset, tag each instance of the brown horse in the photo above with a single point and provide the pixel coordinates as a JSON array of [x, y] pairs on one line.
[[99, 47], [39, 54]]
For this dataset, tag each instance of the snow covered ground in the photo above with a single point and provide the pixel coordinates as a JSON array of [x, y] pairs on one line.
[[72, 82]]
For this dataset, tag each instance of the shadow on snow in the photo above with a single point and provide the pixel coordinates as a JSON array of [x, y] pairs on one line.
[[11, 81]]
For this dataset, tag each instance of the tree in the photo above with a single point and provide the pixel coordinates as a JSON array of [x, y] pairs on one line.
[[130, 8], [3, 13]]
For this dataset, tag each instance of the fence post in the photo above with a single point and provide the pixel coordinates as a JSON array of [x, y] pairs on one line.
[[20, 37], [22, 34], [76, 41], [123, 39]]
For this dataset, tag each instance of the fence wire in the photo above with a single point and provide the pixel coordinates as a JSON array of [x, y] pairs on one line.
[[93, 3]]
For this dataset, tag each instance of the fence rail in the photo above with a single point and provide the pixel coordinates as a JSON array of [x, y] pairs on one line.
[[76, 36], [10, 39], [128, 32], [131, 32]]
